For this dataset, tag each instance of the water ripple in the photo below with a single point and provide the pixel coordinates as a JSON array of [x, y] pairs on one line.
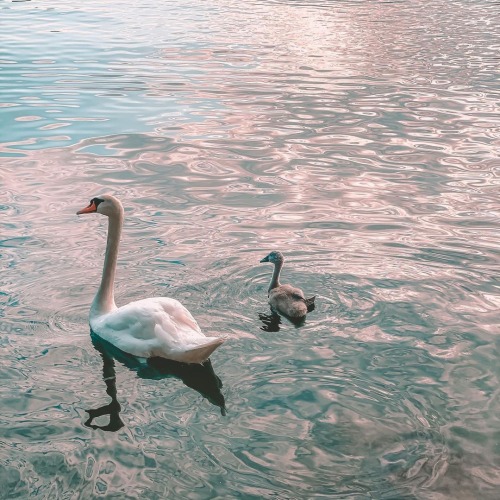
[[367, 155]]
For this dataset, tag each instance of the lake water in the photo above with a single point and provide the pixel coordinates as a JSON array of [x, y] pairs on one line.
[[358, 137]]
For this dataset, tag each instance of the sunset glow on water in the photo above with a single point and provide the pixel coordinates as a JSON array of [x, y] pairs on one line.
[[360, 139]]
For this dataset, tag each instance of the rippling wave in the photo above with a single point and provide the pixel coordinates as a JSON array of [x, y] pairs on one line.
[[361, 139]]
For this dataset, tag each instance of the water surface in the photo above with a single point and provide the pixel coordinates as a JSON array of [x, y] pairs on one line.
[[361, 139]]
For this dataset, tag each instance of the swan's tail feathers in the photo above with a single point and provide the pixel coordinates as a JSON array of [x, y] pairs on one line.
[[201, 353], [310, 304]]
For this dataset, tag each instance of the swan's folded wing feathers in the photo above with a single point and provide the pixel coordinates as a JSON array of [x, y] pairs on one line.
[[288, 291], [179, 313], [136, 319]]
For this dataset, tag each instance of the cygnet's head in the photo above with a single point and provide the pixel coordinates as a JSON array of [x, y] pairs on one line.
[[274, 257], [106, 205]]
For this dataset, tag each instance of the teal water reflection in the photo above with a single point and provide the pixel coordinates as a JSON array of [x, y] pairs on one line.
[[359, 138]]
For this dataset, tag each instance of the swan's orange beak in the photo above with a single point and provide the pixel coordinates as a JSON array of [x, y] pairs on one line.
[[88, 210]]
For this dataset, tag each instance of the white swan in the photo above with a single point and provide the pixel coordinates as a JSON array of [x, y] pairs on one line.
[[157, 326], [286, 299]]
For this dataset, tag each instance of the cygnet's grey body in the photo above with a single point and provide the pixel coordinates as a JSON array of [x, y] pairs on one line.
[[286, 299]]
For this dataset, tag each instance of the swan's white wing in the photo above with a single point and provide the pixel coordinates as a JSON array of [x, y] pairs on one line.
[[179, 314], [130, 328], [153, 327], [188, 332]]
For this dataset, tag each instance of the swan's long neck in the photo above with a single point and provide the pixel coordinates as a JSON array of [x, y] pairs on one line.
[[275, 280], [104, 300]]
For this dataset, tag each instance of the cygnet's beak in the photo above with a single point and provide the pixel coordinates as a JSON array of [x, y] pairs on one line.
[[265, 259]]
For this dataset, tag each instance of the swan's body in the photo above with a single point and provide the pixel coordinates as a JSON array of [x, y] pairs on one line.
[[157, 326], [286, 299]]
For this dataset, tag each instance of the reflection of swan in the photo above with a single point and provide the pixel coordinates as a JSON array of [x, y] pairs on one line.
[[271, 322], [112, 409], [200, 377], [151, 327], [286, 299]]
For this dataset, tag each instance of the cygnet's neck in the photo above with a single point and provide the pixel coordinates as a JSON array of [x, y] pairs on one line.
[[275, 280]]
